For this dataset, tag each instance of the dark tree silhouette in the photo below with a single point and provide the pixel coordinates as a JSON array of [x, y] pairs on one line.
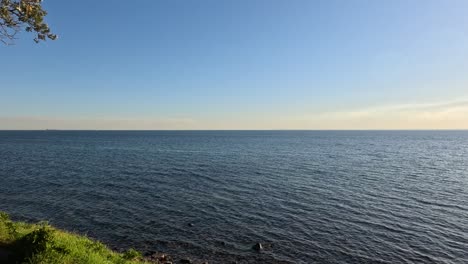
[[19, 15]]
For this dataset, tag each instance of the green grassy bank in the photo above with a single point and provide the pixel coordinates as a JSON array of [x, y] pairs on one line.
[[41, 243]]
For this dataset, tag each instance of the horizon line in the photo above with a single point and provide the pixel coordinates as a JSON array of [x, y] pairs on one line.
[[149, 130]]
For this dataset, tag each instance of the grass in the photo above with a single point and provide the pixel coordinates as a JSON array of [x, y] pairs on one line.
[[41, 243]]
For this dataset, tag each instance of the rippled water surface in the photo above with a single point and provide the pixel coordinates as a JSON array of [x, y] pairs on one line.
[[308, 196]]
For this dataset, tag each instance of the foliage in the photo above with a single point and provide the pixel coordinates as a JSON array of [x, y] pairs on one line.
[[131, 254], [18, 15], [41, 243]]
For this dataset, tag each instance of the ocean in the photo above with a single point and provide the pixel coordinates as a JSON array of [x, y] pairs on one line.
[[307, 196]]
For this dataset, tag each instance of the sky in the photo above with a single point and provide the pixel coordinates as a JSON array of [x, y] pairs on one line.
[[244, 64]]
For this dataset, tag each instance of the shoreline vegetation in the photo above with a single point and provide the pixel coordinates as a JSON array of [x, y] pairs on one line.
[[39, 243]]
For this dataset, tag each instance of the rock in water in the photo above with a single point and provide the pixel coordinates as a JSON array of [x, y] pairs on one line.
[[258, 246], [185, 261]]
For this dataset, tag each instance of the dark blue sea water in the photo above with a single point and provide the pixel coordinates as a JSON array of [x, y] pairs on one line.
[[308, 196]]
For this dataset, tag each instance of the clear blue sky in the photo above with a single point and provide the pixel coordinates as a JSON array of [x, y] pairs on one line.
[[243, 64]]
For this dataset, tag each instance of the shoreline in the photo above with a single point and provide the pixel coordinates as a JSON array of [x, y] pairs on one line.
[[40, 242], [53, 244], [22, 242]]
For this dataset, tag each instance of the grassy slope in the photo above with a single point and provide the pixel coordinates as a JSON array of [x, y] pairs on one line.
[[41, 243]]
